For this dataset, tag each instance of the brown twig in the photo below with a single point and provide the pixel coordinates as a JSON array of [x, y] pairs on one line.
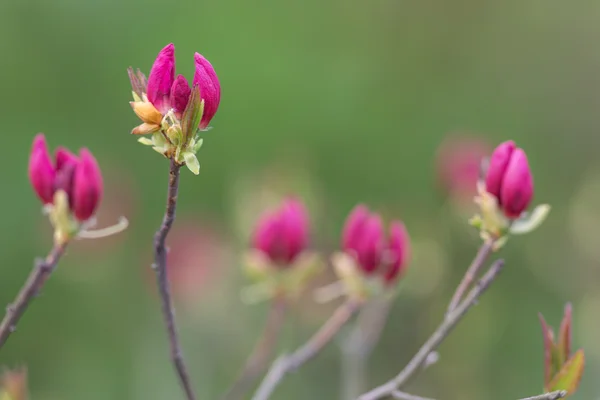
[[289, 363], [559, 394], [359, 344], [437, 338], [262, 353], [42, 270], [484, 252], [160, 267]]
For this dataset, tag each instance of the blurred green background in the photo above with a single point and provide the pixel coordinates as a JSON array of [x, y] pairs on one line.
[[339, 102]]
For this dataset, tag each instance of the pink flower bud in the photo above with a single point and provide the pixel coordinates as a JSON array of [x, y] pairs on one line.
[[180, 94], [41, 171], [161, 78], [363, 238], [509, 179], [399, 249], [497, 167], [517, 186], [87, 186], [206, 79], [283, 234], [353, 229]]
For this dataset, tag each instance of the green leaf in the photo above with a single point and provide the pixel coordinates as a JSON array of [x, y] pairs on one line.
[[192, 115], [564, 335], [146, 141], [569, 376], [530, 222], [191, 162], [552, 361], [197, 145]]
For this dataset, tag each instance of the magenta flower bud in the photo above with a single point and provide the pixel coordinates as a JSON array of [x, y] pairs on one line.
[[206, 79], [497, 167], [509, 179], [41, 171], [517, 186], [399, 250], [180, 94], [369, 248], [363, 238], [282, 235], [161, 78], [87, 186], [353, 229]]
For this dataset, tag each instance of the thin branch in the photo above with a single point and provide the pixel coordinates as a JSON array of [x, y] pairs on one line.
[[42, 270], [359, 345], [482, 255], [262, 354], [160, 267], [406, 396], [437, 338], [289, 363], [559, 394]]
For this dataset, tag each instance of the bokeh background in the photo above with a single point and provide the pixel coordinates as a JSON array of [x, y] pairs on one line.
[[339, 102]]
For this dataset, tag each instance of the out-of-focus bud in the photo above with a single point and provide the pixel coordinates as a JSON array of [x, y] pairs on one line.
[[279, 262], [509, 179], [13, 385], [282, 235], [180, 94], [41, 171], [161, 78], [398, 251], [371, 262], [206, 79], [87, 187], [458, 166]]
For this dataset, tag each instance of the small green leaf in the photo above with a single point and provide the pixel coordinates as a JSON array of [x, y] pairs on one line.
[[192, 115], [145, 141], [197, 145], [569, 376], [564, 335], [552, 364], [191, 162], [530, 222]]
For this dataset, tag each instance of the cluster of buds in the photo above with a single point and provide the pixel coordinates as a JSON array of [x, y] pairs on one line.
[[279, 260], [171, 110], [70, 187], [562, 369], [505, 194], [371, 263]]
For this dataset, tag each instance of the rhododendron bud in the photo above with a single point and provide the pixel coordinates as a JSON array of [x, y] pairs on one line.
[[509, 179], [364, 240], [369, 248], [180, 94], [171, 110], [206, 79], [41, 170], [78, 177], [282, 235], [87, 186], [354, 227], [161, 78], [399, 252]]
